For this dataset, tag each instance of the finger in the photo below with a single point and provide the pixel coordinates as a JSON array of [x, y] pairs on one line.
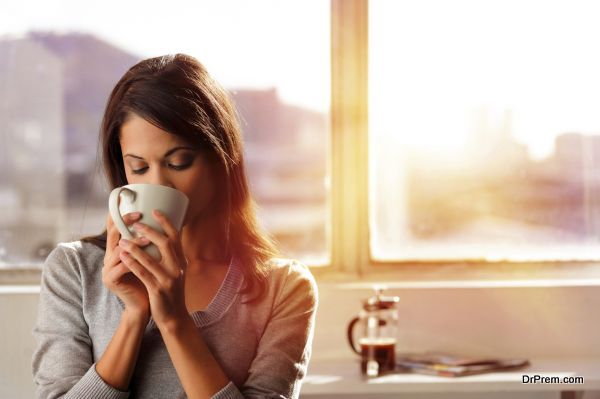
[[173, 235], [140, 272], [111, 237], [112, 262], [113, 258], [117, 272], [166, 225], [113, 234], [131, 217], [171, 260], [128, 218], [158, 271]]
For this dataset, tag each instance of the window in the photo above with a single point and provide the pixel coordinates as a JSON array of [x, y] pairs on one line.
[[484, 124], [59, 63]]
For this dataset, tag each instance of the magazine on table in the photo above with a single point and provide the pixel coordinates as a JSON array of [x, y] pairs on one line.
[[449, 365]]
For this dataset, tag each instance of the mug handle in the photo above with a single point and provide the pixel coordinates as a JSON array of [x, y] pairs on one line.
[[351, 335], [113, 207]]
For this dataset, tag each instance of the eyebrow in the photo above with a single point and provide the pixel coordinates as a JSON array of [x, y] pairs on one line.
[[171, 151]]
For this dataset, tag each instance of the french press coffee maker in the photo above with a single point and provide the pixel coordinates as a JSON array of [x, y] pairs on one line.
[[378, 324]]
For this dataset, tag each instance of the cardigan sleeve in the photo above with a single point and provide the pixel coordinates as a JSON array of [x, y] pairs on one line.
[[62, 362], [284, 349]]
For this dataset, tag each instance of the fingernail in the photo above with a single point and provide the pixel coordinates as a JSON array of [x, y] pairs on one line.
[[124, 243], [144, 240], [135, 214]]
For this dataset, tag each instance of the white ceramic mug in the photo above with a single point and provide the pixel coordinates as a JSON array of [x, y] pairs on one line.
[[144, 198]]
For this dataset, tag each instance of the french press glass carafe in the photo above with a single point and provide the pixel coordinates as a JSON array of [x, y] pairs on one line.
[[378, 324]]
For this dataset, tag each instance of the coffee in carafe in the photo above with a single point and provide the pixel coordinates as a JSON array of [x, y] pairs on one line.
[[382, 350]]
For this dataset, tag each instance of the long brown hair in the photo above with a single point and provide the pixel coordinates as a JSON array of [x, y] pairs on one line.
[[176, 93]]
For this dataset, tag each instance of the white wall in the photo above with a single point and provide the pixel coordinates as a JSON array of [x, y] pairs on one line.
[[529, 322], [507, 321], [17, 312]]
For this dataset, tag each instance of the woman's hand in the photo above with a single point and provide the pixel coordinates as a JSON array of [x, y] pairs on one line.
[[163, 280], [117, 277]]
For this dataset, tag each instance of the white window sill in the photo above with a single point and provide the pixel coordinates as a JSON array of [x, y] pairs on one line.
[[537, 283], [419, 276], [465, 275], [342, 376], [19, 289]]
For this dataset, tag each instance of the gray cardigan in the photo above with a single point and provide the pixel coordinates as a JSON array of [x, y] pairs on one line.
[[263, 347]]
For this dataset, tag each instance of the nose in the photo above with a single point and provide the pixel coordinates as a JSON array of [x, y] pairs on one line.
[[160, 176]]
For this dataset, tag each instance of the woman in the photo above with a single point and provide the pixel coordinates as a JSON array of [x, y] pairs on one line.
[[220, 316]]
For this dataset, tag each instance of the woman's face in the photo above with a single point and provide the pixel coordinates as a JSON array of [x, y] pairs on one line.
[[152, 155]]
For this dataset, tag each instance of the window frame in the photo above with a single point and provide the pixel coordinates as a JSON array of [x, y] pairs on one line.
[[351, 256]]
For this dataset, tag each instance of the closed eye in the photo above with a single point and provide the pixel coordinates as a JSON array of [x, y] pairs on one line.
[[175, 167]]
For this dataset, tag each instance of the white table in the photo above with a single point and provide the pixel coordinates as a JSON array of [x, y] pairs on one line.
[[342, 377]]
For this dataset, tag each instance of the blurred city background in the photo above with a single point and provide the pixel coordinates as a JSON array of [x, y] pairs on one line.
[[484, 120], [54, 89]]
